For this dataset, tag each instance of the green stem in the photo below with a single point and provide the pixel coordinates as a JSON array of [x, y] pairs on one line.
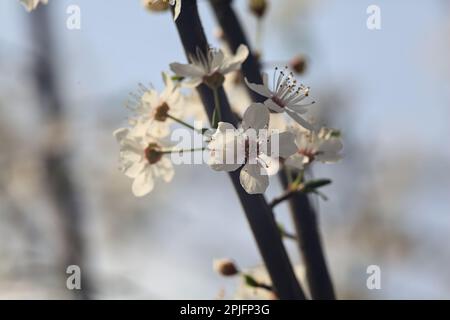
[[200, 131], [183, 150], [299, 178]]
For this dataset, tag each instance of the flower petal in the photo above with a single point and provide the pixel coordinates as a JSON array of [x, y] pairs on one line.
[[142, 184], [256, 117], [281, 145], [297, 161], [186, 70], [300, 120], [254, 179], [120, 134], [259, 88], [134, 169], [165, 169], [226, 148], [329, 151], [177, 9], [273, 106], [234, 63]]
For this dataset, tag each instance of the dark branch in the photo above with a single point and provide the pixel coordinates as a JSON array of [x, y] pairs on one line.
[[258, 213], [303, 214]]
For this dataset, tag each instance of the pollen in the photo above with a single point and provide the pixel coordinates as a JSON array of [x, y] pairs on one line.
[[153, 153], [161, 112]]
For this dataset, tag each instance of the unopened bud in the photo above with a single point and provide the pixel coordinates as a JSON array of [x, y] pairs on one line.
[[225, 267], [298, 64], [153, 5], [258, 7]]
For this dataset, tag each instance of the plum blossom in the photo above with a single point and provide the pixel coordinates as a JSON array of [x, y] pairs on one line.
[[154, 111], [142, 158], [250, 147], [30, 5], [324, 146], [210, 69], [285, 95]]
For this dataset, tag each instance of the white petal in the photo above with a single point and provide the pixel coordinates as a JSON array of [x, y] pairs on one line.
[[192, 82], [329, 151], [254, 179], [177, 9], [296, 161], [300, 120], [223, 166], [273, 106], [259, 88], [272, 165], [286, 145], [165, 169], [217, 60], [256, 117], [224, 126], [121, 133], [226, 148], [234, 63], [186, 70], [142, 184], [134, 169]]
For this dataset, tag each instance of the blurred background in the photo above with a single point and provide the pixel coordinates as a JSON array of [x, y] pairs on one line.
[[62, 198]]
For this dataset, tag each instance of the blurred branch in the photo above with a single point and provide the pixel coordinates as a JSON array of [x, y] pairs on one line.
[[235, 36], [57, 173], [303, 215], [258, 213]]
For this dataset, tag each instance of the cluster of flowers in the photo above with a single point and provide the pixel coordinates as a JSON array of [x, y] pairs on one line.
[[145, 154], [252, 147]]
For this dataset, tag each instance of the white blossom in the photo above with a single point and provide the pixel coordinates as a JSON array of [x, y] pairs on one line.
[[285, 95], [250, 147], [324, 146], [32, 4], [210, 69], [141, 158], [153, 109]]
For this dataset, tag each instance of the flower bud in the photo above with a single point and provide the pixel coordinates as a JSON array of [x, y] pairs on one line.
[[298, 64], [155, 6], [258, 7], [225, 267]]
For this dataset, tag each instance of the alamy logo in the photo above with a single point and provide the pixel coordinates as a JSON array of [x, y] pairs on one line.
[[73, 21], [374, 19], [73, 282], [374, 279]]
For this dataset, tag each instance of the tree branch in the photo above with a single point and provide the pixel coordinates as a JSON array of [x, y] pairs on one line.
[[303, 215], [58, 175], [258, 213]]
